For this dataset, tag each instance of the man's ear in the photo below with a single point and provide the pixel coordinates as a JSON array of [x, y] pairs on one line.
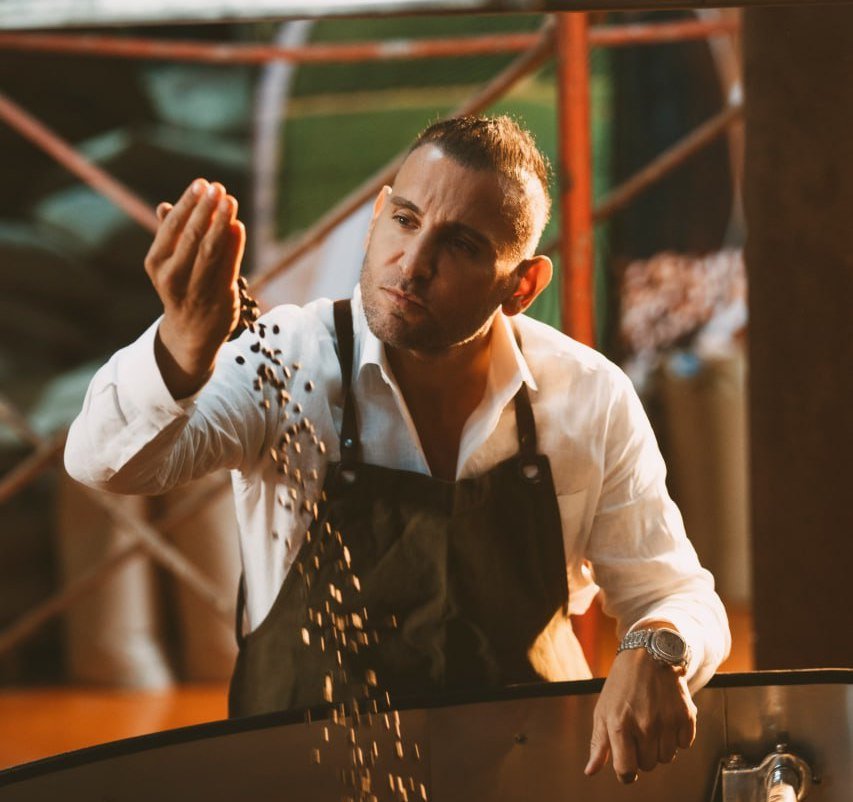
[[378, 205], [533, 276]]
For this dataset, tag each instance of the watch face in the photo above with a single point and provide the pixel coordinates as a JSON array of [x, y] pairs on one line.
[[669, 645]]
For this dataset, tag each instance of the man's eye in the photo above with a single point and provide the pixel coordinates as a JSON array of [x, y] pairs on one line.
[[465, 246], [402, 219]]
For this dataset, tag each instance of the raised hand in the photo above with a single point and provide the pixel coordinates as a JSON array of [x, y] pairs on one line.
[[193, 264]]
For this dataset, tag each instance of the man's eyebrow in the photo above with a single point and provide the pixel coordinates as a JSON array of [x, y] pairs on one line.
[[397, 200]]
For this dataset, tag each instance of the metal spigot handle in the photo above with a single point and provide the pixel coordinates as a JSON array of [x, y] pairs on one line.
[[783, 783], [787, 777], [782, 793]]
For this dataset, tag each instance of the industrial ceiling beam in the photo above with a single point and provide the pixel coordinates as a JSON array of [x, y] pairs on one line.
[[59, 14]]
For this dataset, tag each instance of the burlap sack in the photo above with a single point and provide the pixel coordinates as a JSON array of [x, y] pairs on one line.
[[207, 646], [705, 419], [114, 635]]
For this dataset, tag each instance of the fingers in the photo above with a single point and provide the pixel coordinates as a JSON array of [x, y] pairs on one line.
[[647, 747], [624, 749], [633, 748], [237, 247], [195, 229], [162, 210], [167, 235], [667, 747], [599, 748], [219, 252], [687, 731]]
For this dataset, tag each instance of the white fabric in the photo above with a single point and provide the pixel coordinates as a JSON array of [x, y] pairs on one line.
[[620, 528]]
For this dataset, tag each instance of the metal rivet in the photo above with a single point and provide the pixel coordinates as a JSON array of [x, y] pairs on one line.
[[530, 471]]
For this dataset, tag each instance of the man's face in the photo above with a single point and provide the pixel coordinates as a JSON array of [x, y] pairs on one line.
[[440, 254]]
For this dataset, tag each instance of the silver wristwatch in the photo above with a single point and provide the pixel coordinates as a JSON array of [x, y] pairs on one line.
[[665, 645]]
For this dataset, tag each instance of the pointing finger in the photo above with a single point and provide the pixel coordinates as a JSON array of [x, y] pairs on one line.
[[599, 748], [686, 733]]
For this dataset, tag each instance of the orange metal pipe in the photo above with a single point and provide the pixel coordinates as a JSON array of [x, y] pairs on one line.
[[659, 33], [575, 165], [662, 165], [40, 135], [576, 251], [227, 53]]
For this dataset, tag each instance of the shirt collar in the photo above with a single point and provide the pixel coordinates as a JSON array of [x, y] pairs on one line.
[[508, 364]]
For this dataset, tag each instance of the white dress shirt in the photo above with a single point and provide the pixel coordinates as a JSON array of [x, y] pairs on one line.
[[621, 530]]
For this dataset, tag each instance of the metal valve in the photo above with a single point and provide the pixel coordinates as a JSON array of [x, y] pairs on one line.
[[780, 777]]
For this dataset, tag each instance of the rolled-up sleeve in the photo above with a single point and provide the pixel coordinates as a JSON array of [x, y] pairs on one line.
[[640, 555]]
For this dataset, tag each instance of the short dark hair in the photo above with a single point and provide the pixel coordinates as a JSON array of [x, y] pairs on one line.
[[499, 144]]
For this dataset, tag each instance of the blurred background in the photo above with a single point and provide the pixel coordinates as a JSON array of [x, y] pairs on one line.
[[124, 638]]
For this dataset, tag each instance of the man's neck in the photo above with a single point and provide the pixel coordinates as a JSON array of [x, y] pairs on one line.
[[443, 374], [441, 390]]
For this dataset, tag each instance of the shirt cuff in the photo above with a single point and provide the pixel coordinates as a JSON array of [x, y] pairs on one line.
[[140, 384]]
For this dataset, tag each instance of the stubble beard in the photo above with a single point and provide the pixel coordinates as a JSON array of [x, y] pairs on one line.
[[430, 335]]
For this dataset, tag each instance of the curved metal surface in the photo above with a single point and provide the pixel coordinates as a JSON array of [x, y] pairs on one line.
[[510, 746]]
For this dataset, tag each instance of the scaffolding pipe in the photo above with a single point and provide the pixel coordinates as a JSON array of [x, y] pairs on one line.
[[56, 604], [658, 168], [518, 69], [17, 422], [575, 186], [31, 467], [666, 162], [164, 553], [30, 622], [575, 177], [322, 53], [101, 181], [659, 33]]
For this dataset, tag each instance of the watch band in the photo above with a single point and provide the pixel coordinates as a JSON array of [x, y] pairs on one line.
[[638, 639], [664, 644]]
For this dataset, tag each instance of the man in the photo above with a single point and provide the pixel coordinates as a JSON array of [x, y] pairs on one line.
[[476, 458]]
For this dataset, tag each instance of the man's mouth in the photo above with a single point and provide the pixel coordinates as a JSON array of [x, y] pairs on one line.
[[404, 300]]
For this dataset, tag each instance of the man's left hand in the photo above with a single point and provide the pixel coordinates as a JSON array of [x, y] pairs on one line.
[[644, 714]]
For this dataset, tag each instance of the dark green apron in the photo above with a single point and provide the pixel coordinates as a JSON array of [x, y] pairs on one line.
[[460, 578]]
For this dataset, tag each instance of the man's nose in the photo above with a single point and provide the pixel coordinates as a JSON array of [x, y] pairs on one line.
[[418, 260]]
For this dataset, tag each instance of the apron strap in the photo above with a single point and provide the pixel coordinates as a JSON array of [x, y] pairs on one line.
[[526, 425], [524, 420], [349, 425], [241, 608]]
